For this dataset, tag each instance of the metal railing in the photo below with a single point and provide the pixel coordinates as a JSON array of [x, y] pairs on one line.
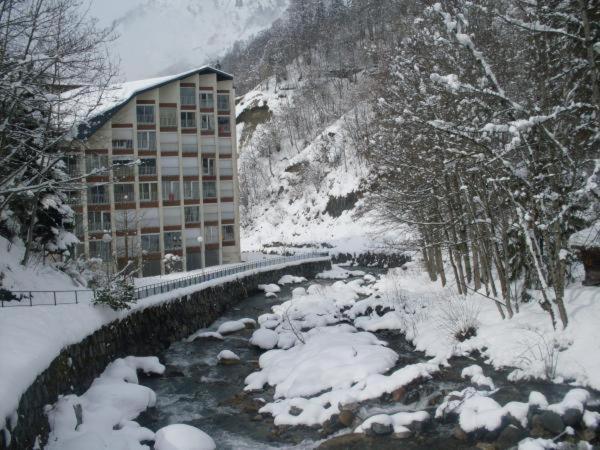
[[72, 297]]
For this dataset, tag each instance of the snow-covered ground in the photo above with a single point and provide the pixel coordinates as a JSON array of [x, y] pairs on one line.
[[31, 337]]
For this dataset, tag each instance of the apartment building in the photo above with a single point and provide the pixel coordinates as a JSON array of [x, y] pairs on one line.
[[161, 160]]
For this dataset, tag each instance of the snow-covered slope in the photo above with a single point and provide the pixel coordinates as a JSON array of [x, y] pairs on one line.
[[304, 190]]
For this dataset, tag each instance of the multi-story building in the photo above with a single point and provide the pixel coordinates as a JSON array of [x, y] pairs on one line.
[[171, 186]]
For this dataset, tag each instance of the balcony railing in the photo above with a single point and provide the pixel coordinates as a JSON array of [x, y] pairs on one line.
[[147, 170], [98, 226], [122, 143], [188, 123], [168, 122], [98, 199]]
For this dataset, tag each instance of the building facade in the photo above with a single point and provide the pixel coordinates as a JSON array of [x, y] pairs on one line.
[[171, 185]]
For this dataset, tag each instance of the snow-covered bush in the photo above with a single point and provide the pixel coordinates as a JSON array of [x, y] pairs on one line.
[[172, 263], [117, 292], [539, 357], [458, 317]]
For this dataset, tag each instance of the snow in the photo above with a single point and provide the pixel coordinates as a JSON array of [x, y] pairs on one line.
[[339, 273], [587, 238], [269, 288], [108, 408], [475, 373], [183, 437], [574, 399], [234, 325], [30, 338], [291, 279], [400, 421], [264, 338], [227, 355], [205, 335]]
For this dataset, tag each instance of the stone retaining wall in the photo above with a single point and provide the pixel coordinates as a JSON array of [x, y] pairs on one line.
[[146, 332]]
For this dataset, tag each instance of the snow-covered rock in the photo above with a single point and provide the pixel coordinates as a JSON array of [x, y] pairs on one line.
[[264, 338], [201, 334], [232, 326], [291, 279], [269, 288], [183, 437], [227, 357]]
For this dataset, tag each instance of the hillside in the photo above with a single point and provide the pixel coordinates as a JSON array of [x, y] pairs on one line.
[[302, 175]]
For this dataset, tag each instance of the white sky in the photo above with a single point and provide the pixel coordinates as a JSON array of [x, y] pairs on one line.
[[158, 37]]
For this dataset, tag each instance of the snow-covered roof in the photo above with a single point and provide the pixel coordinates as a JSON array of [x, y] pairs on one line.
[[117, 96], [588, 238]]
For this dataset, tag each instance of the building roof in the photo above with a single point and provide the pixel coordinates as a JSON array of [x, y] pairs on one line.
[[586, 239], [119, 95]]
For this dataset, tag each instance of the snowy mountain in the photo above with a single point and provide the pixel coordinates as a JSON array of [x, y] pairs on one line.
[[159, 37]]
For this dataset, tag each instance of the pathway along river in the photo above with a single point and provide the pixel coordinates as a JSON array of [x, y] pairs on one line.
[[198, 391]]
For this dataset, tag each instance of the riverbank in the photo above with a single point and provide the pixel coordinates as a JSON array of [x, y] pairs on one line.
[[47, 351]]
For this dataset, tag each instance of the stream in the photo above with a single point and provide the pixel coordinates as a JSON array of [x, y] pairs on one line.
[[198, 391]]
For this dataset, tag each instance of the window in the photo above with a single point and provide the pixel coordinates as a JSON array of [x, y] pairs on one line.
[[172, 216], [168, 117], [224, 126], [100, 249], [148, 192], [170, 190], [208, 122], [208, 166], [147, 166], [228, 233], [223, 102], [71, 165], [206, 100], [187, 96], [209, 189], [145, 114], [210, 212], [191, 190], [98, 195], [98, 221], [124, 193], [227, 211], [122, 144], [146, 140], [151, 243], [188, 119], [211, 235], [96, 163], [192, 214], [172, 240]]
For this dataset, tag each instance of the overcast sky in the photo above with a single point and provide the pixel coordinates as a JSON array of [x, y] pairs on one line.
[[158, 37]]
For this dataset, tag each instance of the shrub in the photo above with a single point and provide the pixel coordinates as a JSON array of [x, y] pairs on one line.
[[118, 293], [458, 317]]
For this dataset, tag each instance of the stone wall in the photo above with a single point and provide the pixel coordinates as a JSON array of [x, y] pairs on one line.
[[142, 333]]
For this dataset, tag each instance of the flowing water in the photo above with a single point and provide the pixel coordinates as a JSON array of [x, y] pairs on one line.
[[198, 391]]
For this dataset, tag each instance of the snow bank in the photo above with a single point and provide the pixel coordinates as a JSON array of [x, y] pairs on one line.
[[339, 273], [183, 437], [103, 416]]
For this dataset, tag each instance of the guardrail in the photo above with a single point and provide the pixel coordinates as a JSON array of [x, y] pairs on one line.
[[71, 297]]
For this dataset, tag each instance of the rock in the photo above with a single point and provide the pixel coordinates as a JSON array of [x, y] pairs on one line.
[[257, 418], [346, 417], [572, 417], [588, 434], [402, 434], [486, 446], [435, 399], [460, 434], [295, 411], [380, 429], [551, 421], [399, 394], [510, 436]]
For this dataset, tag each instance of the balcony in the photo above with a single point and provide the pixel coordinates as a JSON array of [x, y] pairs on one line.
[[188, 123], [98, 199], [145, 119]]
